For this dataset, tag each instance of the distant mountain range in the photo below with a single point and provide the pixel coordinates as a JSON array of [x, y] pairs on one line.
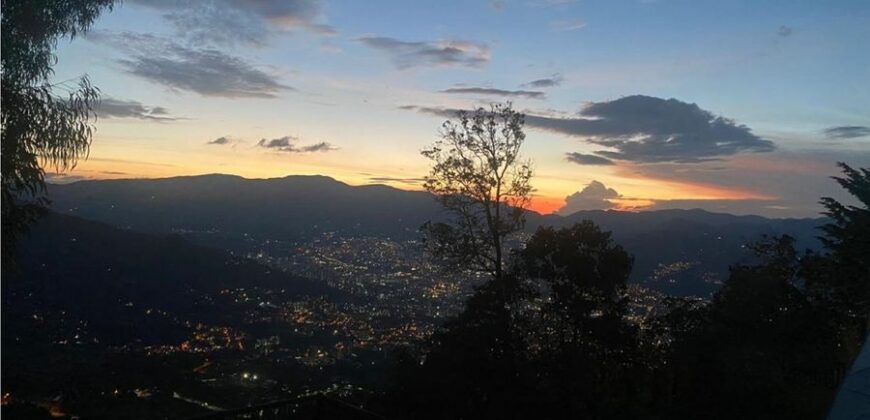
[[673, 249]]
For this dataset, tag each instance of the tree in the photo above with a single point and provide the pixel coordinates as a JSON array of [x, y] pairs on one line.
[[39, 127], [762, 348], [480, 179], [585, 350], [848, 239], [549, 339]]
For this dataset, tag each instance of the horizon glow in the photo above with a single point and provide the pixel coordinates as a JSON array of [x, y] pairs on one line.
[[333, 77]]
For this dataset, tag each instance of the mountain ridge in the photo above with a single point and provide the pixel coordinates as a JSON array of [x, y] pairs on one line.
[[239, 214], [298, 177]]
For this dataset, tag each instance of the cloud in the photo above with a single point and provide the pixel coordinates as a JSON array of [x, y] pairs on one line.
[[442, 53], [581, 159], [496, 92], [317, 147], [240, 21], [220, 141], [287, 144], [783, 183], [847, 132], [208, 72], [438, 112], [554, 80], [388, 179], [784, 31], [595, 196], [647, 129], [117, 108], [568, 25], [278, 143], [62, 178]]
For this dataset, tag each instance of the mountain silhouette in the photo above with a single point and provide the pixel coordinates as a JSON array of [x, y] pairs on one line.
[[672, 248]]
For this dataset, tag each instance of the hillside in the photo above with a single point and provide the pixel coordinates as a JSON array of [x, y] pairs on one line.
[[676, 251]]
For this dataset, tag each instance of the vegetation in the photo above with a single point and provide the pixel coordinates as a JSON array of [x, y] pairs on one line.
[[39, 127], [552, 337], [848, 239], [480, 179]]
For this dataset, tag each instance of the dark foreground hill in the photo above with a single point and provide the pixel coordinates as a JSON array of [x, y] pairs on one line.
[[117, 282], [99, 321], [99, 271], [677, 251]]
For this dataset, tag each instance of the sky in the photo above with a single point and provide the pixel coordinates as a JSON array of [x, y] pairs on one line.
[[734, 106]]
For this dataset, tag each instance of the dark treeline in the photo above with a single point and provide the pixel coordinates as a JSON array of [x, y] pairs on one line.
[[552, 338], [552, 334]]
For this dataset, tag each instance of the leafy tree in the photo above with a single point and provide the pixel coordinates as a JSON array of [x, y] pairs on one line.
[[848, 239], [476, 365], [761, 349], [480, 179], [584, 271], [549, 339], [39, 127], [586, 349]]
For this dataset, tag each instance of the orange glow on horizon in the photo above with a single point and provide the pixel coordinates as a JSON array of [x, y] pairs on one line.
[[656, 188], [546, 205], [637, 191]]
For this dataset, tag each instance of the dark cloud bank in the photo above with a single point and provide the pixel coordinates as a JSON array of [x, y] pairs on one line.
[[646, 129]]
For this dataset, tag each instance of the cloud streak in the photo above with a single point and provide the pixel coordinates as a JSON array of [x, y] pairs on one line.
[[287, 144], [117, 108], [388, 179], [208, 72], [230, 22], [407, 54], [583, 159], [847, 132], [221, 141], [495, 92], [547, 82]]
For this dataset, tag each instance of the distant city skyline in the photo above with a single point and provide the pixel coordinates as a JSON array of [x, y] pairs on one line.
[[742, 107]]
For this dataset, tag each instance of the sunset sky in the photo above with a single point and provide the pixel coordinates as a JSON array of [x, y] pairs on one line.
[[734, 106]]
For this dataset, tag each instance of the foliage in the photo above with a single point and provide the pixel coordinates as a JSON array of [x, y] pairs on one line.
[[550, 331], [553, 338], [39, 127], [848, 239], [761, 349], [480, 179]]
